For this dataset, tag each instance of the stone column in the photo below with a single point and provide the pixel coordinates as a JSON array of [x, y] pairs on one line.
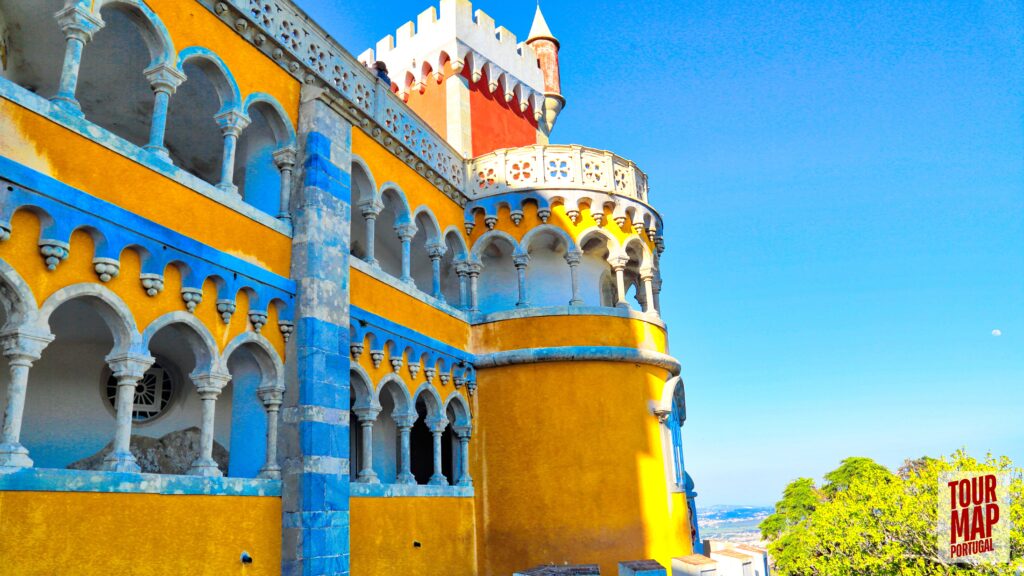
[[284, 159], [463, 434], [404, 423], [272, 398], [78, 25], [209, 387], [367, 418], [231, 125], [21, 347], [573, 257], [521, 261], [315, 415], [474, 270], [436, 426], [165, 80], [657, 291], [128, 370], [370, 210], [462, 269], [647, 278], [436, 252], [405, 234], [619, 266]]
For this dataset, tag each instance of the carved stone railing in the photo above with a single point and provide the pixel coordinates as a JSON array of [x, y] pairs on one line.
[[284, 32], [543, 167]]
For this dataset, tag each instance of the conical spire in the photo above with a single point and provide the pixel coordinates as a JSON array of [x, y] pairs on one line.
[[540, 28]]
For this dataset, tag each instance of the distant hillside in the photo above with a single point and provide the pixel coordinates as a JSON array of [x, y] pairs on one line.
[[732, 523]]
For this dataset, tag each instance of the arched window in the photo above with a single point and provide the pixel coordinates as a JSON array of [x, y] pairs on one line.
[[597, 281], [266, 157], [32, 44], [195, 139], [428, 237], [498, 282], [363, 193], [112, 86], [455, 253], [422, 445], [548, 281], [393, 219], [393, 403]]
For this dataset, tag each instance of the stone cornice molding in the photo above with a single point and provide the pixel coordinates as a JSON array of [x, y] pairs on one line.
[[579, 354]]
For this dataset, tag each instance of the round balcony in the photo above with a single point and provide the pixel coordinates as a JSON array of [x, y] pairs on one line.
[[554, 167]]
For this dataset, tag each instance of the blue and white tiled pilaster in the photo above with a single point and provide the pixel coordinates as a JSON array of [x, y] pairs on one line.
[[315, 433]]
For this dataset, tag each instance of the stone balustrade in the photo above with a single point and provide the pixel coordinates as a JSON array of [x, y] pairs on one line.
[[555, 167]]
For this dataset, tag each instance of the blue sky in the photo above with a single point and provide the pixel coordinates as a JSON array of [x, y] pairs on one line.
[[843, 187]]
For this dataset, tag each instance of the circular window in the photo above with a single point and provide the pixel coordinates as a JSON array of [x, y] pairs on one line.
[[152, 394]]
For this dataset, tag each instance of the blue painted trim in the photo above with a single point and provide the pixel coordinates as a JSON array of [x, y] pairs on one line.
[[359, 490], [381, 323], [579, 354], [69, 198], [53, 480], [99, 135]]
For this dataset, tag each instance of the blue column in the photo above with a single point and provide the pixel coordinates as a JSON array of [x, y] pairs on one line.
[[315, 434]]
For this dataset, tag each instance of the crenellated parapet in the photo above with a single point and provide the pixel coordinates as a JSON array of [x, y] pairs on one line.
[[467, 40]]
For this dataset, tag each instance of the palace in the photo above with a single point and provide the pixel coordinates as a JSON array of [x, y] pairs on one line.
[[269, 308]]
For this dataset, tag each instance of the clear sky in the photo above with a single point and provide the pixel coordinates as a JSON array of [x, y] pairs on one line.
[[843, 190]]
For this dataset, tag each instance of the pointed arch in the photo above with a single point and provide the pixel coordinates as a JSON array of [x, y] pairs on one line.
[[431, 398], [154, 33], [16, 298], [195, 333], [276, 116], [490, 237], [543, 229], [362, 388], [218, 73], [396, 389], [264, 353], [460, 408], [111, 308]]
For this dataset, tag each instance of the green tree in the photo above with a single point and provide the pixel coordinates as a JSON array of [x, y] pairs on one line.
[[867, 521]]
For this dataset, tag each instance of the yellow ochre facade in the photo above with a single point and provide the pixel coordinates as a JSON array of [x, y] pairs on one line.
[[267, 308]]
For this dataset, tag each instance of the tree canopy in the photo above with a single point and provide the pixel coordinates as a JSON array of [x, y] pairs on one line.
[[866, 520]]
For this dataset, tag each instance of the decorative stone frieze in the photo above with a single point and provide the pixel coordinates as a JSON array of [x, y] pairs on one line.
[[153, 284], [226, 309], [192, 297], [287, 328], [106, 268], [258, 319], [54, 252]]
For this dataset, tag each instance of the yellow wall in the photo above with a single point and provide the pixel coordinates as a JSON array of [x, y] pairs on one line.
[[381, 299], [49, 533], [575, 468], [383, 531], [21, 251], [27, 138], [567, 331]]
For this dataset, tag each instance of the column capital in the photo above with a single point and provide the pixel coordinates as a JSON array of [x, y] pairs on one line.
[[435, 250], [521, 260], [646, 274], [210, 384], [285, 158], [232, 122], [662, 415], [404, 420], [271, 395], [24, 345], [618, 262], [164, 78], [463, 432], [371, 207], [437, 424], [573, 257], [405, 231], [367, 414], [79, 22], [128, 365]]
